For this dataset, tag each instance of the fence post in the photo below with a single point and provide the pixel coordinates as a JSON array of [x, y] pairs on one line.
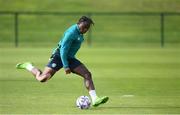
[[16, 28], [162, 30], [89, 40]]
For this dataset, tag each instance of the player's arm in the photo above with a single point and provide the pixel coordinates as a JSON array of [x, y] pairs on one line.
[[65, 45]]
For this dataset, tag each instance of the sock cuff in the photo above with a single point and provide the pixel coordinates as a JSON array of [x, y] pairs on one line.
[[92, 91], [29, 67]]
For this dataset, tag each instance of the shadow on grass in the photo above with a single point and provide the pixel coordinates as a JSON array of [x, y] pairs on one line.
[[137, 107]]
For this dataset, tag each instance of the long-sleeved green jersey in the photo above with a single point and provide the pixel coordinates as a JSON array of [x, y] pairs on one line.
[[70, 44]]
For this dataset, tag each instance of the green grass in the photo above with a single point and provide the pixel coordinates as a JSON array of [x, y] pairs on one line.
[[151, 75]]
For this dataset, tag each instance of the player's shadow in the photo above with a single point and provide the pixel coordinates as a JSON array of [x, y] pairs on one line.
[[136, 107]]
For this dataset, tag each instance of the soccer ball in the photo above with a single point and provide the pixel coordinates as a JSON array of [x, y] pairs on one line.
[[83, 102]]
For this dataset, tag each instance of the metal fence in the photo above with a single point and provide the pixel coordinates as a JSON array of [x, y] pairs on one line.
[[17, 21]]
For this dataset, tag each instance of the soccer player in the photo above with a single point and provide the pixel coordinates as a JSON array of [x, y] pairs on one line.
[[64, 57]]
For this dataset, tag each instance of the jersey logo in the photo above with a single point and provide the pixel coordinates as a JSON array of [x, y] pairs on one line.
[[53, 65], [79, 38]]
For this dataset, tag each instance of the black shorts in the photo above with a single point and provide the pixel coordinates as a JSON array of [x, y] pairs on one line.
[[56, 63]]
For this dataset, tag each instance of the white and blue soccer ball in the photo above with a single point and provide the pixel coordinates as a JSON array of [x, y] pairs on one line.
[[83, 102]]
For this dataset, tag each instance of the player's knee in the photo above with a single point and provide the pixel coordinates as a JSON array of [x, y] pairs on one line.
[[88, 75], [44, 77]]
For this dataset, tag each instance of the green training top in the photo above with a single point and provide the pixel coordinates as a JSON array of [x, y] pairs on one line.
[[70, 44]]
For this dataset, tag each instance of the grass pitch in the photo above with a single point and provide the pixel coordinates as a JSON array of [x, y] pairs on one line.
[[136, 80]]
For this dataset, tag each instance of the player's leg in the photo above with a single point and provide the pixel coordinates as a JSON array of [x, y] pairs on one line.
[[39, 75], [45, 75], [52, 67], [86, 74]]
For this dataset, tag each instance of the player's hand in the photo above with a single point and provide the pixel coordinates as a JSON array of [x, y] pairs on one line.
[[67, 70]]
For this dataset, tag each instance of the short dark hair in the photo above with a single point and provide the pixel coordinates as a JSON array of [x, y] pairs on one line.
[[86, 19]]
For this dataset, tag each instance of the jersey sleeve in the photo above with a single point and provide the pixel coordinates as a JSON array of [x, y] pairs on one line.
[[65, 46]]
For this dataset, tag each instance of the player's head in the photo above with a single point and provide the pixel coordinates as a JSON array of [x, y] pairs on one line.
[[84, 24]]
